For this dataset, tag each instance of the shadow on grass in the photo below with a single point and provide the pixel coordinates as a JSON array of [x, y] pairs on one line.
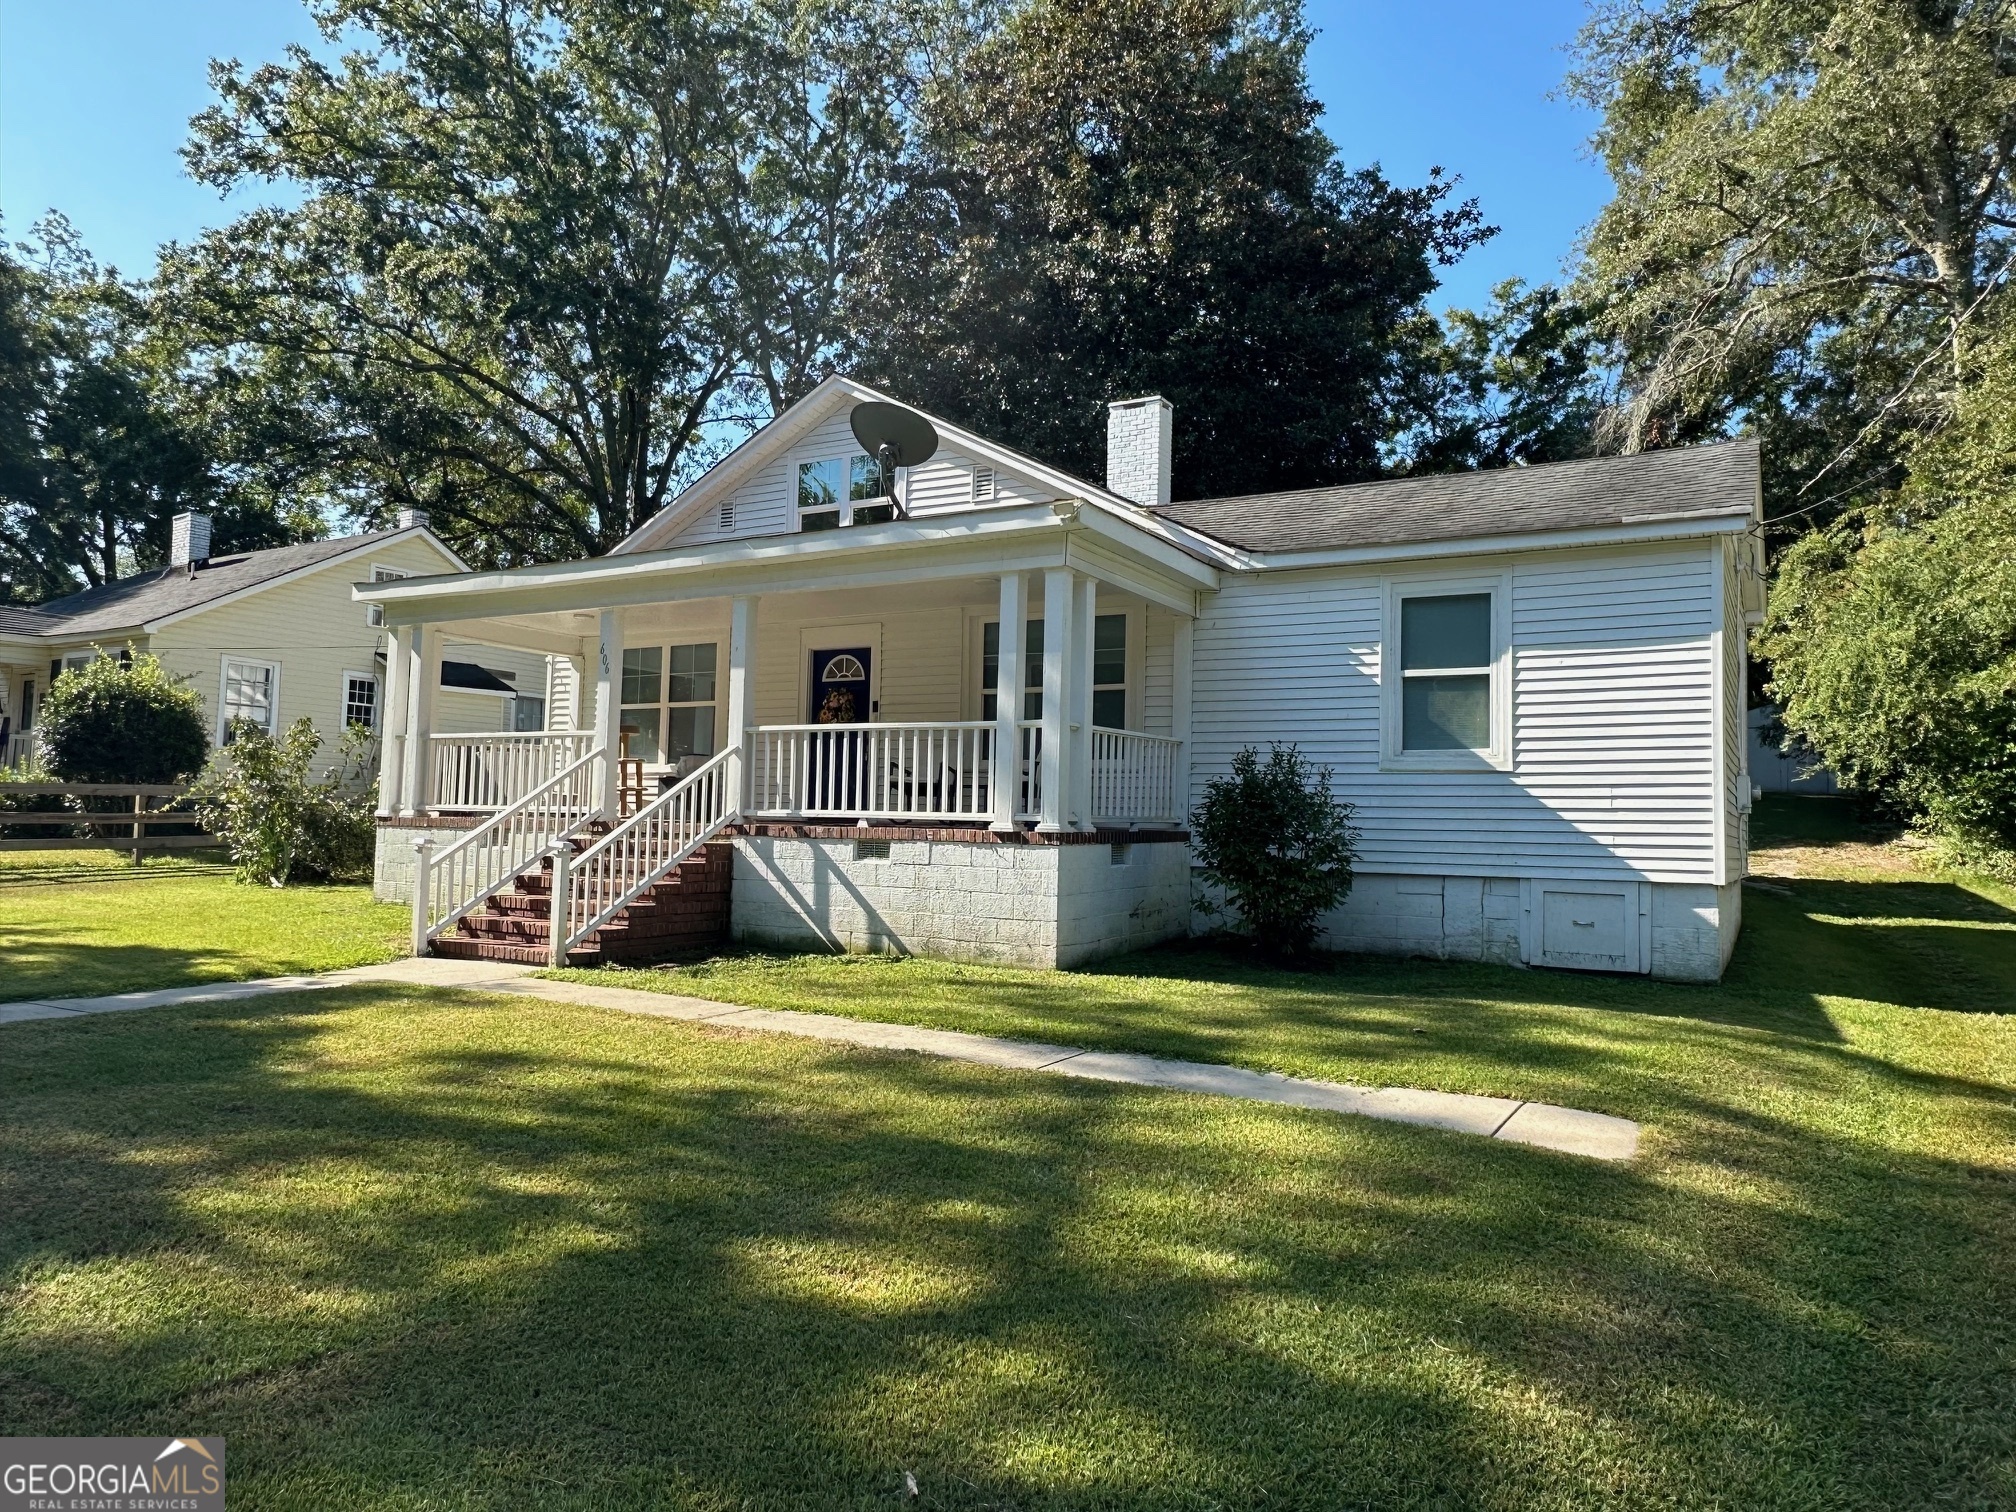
[[445, 1250]]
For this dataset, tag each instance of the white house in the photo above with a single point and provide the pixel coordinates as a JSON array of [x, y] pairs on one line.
[[272, 636], [1530, 683]]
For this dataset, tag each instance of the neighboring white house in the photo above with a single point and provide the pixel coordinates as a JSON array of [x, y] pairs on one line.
[[270, 636], [1530, 684]]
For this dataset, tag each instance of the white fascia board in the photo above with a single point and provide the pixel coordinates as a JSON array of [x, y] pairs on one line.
[[1003, 538], [774, 440], [1679, 528], [377, 543]]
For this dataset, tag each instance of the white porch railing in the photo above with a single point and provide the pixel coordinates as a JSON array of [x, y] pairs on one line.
[[484, 861], [493, 771], [1134, 778], [942, 770], [592, 888]]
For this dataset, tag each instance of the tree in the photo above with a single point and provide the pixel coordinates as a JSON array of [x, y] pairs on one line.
[[1519, 382], [99, 444], [280, 824], [1892, 634], [548, 251], [1106, 198], [1812, 213], [122, 719], [1279, 843]]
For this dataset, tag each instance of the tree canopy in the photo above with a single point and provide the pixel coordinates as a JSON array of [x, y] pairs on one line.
[[1108, 198], [548, 252], [1812, 209]]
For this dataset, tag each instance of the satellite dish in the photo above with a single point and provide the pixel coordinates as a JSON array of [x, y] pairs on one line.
[[895, 437]]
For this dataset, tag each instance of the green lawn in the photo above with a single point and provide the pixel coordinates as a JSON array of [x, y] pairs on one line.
[[431, 1250], [122, 929]]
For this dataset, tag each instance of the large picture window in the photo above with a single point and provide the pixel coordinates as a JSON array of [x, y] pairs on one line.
[[1445, 678], [668, 702]]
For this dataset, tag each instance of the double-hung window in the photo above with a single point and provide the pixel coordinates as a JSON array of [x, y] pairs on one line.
[[251, 690], [668, 701], [839, 491], [1446, 681], [1032, 669], [1109, 670], [374, 614], [360, 700]]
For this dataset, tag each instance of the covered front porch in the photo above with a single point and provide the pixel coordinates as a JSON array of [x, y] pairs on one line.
[[798, 682]]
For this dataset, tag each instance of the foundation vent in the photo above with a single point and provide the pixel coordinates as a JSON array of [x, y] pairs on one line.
[[1123, 852], [871, 850]]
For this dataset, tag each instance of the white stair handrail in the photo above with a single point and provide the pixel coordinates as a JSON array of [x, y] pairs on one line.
[[592, 888], [484, 861]]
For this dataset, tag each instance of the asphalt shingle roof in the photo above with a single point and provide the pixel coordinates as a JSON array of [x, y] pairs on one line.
[[1508, 501], [149, 596]]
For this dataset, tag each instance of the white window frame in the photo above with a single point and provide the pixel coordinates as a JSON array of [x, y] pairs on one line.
[[224, 664], [343, 706], [1499, 755], [845, 506], [374, 614], [716, 706]]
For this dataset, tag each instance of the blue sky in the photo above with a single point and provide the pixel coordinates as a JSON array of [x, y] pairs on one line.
[[95, 96]]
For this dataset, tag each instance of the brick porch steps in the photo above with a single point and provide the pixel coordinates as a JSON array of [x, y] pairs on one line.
[[685, 912]]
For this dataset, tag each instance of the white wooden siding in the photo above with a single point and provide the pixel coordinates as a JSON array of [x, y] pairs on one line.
[[1613, 723]]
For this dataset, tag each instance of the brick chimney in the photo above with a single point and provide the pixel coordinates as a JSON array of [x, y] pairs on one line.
[[189, 540], [1138, 442], [408, 518]]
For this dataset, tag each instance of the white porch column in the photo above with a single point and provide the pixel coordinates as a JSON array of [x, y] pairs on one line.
[[392, 737], [608, 716], [423, 676], [1058, 643], [1179, 713], [741, 673], [1010, 673], [1083, 615]]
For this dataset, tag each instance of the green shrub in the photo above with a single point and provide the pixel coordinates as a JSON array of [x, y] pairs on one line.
[[1279, 844], [278, 823], [122, 721]]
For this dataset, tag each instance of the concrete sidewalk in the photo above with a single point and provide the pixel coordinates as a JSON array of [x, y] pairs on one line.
[[1596, 1135]]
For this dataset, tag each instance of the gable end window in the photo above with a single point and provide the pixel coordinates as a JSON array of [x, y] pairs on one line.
[[374, 614], [1445, 676], [834, 492]]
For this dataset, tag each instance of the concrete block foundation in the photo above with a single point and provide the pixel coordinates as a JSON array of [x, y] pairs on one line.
[[965, 895]]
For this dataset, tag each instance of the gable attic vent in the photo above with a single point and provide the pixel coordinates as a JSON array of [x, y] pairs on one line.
[[727, 516], [983, 485]]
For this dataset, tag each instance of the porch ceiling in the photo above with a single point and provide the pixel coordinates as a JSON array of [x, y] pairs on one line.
[[976, 543]]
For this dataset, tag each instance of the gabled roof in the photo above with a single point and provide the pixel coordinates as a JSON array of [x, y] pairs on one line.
[[1603, 491], [149, 597], [777, 438], [16, 619]]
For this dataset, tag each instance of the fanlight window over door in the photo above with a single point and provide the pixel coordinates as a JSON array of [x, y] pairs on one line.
[[844, 668]]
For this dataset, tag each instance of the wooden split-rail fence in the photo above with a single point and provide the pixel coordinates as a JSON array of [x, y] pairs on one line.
[[148, 818]]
